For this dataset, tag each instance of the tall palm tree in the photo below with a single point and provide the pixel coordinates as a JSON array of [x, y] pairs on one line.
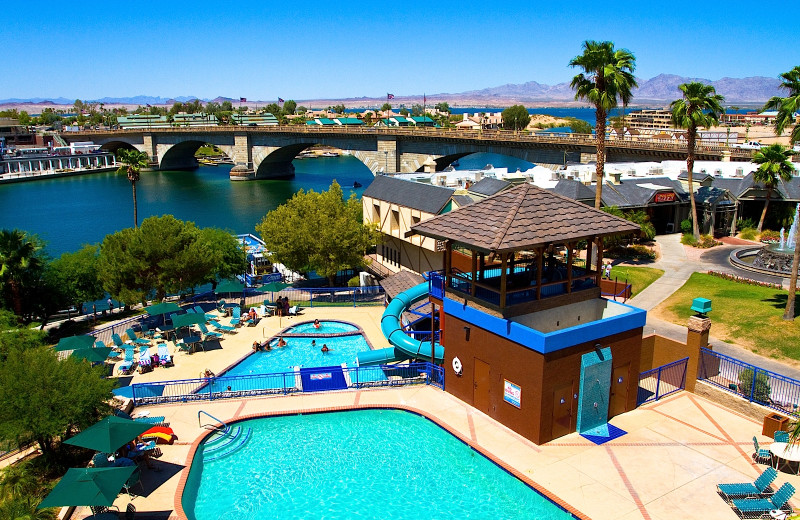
[[787, 106], [774, 164], [607, 78], [133, 161], [700, 106], [19, 257]]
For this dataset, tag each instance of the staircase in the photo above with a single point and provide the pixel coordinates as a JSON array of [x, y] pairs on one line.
[[224, 443]]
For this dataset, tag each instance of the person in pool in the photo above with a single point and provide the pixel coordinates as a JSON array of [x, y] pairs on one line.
[[281, 342], [313, 343], [325, 348], [316, 324]]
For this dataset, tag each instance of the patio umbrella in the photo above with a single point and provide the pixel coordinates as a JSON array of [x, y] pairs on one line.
[[75, 342], [184, 320], [162, 308], [88, 487], [229, 286], [272, 287], [109, 435], [94, 355]]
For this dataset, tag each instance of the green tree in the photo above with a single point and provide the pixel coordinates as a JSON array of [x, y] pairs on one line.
[[368, 118], [289, 107], [700, 106], [75, 276], [607, 78], [416, 109], [338, 109], [516, 117], [787, 106], [443, 107], [229, 255], [21, 263], [318, 231], [15, 338], [404, 112], [386, 107], [133, 161], [579, 126], [775, 164], [301, 110]]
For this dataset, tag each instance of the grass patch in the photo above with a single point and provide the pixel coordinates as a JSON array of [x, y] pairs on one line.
[[638, 277], [748, 315]]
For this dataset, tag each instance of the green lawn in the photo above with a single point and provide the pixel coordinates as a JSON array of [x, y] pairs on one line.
[[747, 315], [638, 277]]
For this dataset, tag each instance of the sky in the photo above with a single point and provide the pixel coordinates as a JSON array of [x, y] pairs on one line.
[[330, 50]]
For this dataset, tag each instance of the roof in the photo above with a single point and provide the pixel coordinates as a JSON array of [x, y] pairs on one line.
[[696, 176], [573, 189], [349, 121], [462, 200], [489, 186], [416, 195], [402, 281], [522, 217], [636, 193], [421, 119]]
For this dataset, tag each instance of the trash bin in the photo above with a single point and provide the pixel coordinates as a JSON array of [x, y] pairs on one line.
[[773, 423]]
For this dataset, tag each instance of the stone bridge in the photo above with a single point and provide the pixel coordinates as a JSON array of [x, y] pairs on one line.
[[268, 152]]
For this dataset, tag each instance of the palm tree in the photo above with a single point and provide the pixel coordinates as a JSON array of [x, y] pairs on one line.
[[607, 78], [774, 164], [787, 106], [133, 161], [699, 107], [19, 257]]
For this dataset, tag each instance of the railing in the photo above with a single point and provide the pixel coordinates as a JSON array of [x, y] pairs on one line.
[[228, 387], [223, 423], [750, 382], [664, 380], [104, 334], [324, 297]]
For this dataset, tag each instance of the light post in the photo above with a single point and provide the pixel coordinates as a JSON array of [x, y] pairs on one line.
[[386, 167]]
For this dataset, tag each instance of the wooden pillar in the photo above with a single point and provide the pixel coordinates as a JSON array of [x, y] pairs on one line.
[[482, 266], [474, 271], [570, 259], [599, 264], [539, 266], [503, 266], [448, 262]]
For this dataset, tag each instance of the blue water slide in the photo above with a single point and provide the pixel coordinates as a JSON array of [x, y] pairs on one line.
[[403, 346]]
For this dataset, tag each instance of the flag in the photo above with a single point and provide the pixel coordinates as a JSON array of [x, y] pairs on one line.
[[280, 100], [242, 100], [148, 105], [389, 96]]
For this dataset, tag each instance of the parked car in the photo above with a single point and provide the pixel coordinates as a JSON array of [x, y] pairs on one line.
[[748, 145]]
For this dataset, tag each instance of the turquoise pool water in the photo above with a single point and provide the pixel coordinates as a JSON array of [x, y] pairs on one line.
[[325, 327], [361, 464]]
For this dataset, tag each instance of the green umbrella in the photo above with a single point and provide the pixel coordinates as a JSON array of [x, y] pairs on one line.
[[184, 320], [229, 286], [88, 487], [94, 355], [272, 287], [109, 434], [162, 308], [75, 342]]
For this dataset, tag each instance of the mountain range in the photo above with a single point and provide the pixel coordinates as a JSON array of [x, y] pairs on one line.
[[660, 89]]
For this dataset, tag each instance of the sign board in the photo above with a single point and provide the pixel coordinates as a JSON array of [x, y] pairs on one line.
[[664, 197], [321, 376], [272, 277], [512, 393]]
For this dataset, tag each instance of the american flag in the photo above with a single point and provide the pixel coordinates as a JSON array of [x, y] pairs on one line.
[[280, 100], [389, 96], [148, 105], [242, 100]]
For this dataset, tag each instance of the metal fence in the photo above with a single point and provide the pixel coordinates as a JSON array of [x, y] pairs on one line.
[[755, 384], [104, 334], [323, 297], [299, 380], [664, 380]]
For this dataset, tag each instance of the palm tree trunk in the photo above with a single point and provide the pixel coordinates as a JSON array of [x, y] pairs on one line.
[[788, 314], [690, 141], [600, 135], [135, 210], [764, 212]]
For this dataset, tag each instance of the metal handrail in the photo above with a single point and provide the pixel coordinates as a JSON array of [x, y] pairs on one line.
[[224, 430]]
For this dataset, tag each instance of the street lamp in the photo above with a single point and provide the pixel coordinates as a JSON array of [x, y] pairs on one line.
[[386, 168]]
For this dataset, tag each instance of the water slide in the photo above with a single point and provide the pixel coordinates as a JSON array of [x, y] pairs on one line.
[[403, 346]]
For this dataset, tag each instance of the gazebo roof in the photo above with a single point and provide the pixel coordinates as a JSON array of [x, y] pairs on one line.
[[523, 217]]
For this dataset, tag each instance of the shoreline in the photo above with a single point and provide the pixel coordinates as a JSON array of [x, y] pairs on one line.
[[12, 178]]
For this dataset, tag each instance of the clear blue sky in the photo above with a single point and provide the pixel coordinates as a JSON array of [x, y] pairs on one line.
[[327, 49]]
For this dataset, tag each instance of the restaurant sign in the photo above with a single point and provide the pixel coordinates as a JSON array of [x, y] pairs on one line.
[[664, 197]]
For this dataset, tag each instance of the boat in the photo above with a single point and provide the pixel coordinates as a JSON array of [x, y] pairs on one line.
[[329, 154], [356, 184]]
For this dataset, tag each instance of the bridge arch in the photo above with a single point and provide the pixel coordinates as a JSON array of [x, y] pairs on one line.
[[114, 145]]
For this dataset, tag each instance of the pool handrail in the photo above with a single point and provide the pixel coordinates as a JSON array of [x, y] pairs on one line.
[[224, 430]]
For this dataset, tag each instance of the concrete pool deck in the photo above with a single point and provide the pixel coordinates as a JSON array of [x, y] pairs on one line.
[[666, 466]]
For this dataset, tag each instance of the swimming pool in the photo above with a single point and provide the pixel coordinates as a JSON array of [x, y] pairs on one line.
[[356, 464], [325, 327]]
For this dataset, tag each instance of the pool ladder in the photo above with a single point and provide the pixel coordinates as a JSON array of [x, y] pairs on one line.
[[226, 428]]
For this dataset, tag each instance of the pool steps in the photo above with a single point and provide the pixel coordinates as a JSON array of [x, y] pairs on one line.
[[224, 444]]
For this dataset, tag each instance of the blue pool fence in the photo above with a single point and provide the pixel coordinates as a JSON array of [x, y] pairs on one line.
[[662, 381], [282, 383]]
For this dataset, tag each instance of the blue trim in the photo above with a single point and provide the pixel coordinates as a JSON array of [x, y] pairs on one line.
[[551, 341]]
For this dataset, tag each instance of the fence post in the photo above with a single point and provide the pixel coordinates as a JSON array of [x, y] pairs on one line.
[[658, 382], [210, 392], [354, 298], [311, 298], [753, 385]]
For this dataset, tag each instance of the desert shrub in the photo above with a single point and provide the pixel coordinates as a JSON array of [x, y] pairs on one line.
[[744, 223], [688, 239], [636, 252], [769, 236], [760, 391], [707, 241], [354, 282], [686, 225], [748, 233]]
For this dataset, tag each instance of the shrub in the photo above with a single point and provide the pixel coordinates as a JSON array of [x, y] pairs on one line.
[[686, 226], [707, 241], [354, 282], [636, 252], [748, 233], [769, 236], [762, 388], [688, 239], [744, 223]]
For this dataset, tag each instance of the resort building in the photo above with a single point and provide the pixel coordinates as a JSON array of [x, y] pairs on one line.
[[265, 119], [139, 121], [13, 134], [182, 119]]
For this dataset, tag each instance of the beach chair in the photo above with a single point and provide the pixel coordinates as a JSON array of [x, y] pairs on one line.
[[155, 420], [761, 454], [221, 306], [756, 507], [135, 478], [164, 358], [236, 317], [294, 310], [183, 346], [150, 333], [207, 333], [129, 363], [199, 310], [100, 460], [224, 328], [138, 341], [781, 436], [118, 341], [761, 486], [145, 363]]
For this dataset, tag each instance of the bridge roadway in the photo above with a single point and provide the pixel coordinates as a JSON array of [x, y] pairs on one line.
[[268, 151]]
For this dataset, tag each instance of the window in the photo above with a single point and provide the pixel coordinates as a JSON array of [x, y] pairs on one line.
[[376, 213], [415, 220], [395, 224]]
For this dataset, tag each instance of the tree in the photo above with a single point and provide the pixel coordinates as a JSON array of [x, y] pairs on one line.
[[230, 258], [43, 399], [338, 109], [301, 110], [21, 264], [289, 107], [75, 276], [404, 112], [368, 118], [15, 338], [133, 161], [386, 108], [775, 163], [416, 109], [579, 126], [273, 109], [443, 107], [516, 118], [607, 78], [787, 106], [700, 106], [318, 231]]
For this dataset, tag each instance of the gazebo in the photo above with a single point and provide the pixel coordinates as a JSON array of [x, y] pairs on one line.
[[516, 252]]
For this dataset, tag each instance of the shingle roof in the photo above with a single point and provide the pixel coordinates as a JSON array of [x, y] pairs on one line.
[[522, 217], [462, 200], [639, 192], [696, 176], [573, 189], [416, 195], [402, 281], [489, 186]]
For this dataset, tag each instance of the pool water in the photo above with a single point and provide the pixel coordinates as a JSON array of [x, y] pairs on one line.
[[359, 464], [325, 327]]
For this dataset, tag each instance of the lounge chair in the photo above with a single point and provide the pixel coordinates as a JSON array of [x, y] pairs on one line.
[[135, 478], [145, 363], [128, 365], [761, 486], [761, 454], [781, 436], [139, 341], [150, 333], [221, 306], [756, 507], [199, 310], [164, 358], [100, 460], [294, 310], [236, 317], [207, 333], [115, 352], [118, 341], [155, 420], [224, 328], [183, 346]]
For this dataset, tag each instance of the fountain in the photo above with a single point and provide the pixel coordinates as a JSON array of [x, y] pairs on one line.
[[771, 259]]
